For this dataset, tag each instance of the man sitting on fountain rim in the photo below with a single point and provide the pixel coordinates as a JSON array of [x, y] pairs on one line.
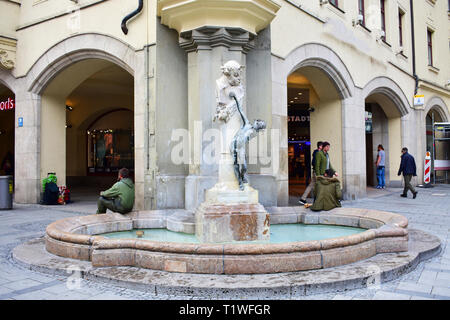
[[120, 197], [327, 192]]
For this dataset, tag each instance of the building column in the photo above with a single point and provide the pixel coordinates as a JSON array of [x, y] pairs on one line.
[[208, 49], [27, 148], [353, 176]]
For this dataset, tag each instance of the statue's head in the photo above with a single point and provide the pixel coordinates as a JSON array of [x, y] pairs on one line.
[[232, 71], [259, 124]]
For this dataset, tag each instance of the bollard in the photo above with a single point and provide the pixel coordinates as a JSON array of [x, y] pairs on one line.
[[6, 192]]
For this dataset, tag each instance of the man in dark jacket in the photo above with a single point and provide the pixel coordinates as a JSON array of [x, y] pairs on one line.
[[408, 168], [327, 192], [120, 197]]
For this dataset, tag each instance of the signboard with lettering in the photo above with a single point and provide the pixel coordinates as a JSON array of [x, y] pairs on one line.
[[7, 105], [20, 122], [419, 100]]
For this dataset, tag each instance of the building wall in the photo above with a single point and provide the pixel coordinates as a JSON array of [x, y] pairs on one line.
[[58, 20], [350, 62]]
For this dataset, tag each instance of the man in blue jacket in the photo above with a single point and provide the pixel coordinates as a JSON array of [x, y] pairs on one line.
[[408, 168]]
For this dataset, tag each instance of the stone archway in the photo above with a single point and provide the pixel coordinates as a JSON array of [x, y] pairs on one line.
[[435, 109], [436, 103], [389, 106], [330, 68], [79, 49]]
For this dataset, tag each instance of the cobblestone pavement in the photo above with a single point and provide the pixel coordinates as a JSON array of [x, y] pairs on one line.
[[429, 212]]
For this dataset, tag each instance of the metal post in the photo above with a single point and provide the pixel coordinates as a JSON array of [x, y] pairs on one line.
[[432, 147]]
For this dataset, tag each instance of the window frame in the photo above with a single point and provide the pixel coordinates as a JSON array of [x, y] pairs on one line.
[[361, 11], [401, 15], [430, 46], [383, 18], [334, 3]]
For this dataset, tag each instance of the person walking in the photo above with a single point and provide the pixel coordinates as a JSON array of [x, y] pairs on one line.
[[310, 187], [118, 198], [380, 164], [322, 161], [327, 192], [408, 168]]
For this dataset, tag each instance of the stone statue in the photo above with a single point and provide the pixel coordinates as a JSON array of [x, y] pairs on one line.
[[230, 81], [240, 140]]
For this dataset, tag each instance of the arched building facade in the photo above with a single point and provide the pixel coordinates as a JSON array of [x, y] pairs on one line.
[[310, 73]]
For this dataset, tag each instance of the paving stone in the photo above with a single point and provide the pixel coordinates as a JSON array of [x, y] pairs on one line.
[[441, 291], [420, 298], [428, 277], [21, 284], [5, 290], [385, 295], [443, 276], [342, 297], [108, 296], [36, 295], [415, 287]]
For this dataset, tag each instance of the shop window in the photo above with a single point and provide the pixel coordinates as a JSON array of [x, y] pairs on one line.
[[110, 143], [109, 150]]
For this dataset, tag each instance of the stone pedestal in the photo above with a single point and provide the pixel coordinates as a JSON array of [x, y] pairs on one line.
[[231, 222]]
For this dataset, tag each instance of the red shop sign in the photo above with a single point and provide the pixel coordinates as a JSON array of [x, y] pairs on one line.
[[7, 105]]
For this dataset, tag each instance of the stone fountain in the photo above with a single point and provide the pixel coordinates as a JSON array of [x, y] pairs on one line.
[[231, 211]]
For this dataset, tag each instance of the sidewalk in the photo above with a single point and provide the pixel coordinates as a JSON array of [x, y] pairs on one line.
[[429, 212]]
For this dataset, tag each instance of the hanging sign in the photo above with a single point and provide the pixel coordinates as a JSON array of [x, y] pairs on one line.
[[7, 105], [419, 100]]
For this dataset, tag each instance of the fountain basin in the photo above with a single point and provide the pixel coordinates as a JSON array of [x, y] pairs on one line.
[[80, 238]]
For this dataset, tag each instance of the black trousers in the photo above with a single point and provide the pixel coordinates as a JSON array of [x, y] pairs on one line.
[[112, 204]]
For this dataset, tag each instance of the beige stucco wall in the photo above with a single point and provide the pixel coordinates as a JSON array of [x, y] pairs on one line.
[[9, 18], [351, 43], [41, 26]]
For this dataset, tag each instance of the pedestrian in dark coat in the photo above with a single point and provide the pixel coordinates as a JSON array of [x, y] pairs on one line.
[[408, 168]]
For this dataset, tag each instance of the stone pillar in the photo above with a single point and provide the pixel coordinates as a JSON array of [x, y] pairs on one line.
[[208, 49], [27, 148], [354, 147]]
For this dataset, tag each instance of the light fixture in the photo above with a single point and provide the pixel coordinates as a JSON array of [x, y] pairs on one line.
[[300, 93], [69, 108]]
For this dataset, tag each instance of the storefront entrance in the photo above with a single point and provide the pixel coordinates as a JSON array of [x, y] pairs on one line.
[[95, 118], [314, 114], [299, 144], [7, 120]]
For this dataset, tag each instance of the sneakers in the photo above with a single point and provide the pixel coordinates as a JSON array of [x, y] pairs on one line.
[[302, 202], [414, 195], [403, 195]]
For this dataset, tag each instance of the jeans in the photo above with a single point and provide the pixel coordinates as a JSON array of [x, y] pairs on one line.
[[310, 187], [380, 176]]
